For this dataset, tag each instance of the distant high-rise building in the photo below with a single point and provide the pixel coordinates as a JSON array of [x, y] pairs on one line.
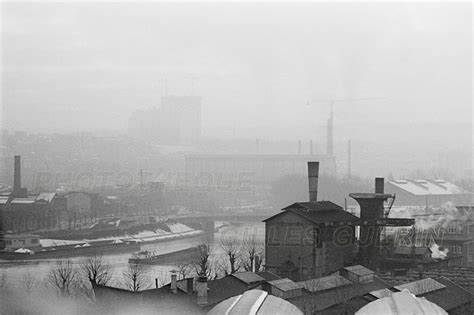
[[176, 122]]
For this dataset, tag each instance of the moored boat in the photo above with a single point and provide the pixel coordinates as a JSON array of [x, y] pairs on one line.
[[148, 258]]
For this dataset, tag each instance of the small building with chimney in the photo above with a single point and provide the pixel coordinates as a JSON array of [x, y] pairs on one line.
[[309, 239]]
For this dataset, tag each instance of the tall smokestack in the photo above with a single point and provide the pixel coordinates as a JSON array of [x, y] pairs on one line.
[[313, 175], [379, 185], [349, 157], [329, 139], [17, 176]]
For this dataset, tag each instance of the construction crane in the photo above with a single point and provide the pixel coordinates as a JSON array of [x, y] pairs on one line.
[[341, 100]]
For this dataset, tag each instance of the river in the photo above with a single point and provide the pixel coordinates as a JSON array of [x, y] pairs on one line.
[[15, 272]]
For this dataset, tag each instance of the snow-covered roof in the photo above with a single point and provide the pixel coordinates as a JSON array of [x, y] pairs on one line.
[[254, 302], [45, 196], [422, 187], [23, 200], [401, 303]]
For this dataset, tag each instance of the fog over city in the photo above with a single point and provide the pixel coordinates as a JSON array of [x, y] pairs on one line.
[[170, 130]]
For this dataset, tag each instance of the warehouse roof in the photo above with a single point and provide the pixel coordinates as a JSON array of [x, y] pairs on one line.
[[421, 187], [319, 212]]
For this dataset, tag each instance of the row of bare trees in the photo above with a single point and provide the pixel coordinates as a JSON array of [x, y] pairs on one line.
[[235, 256], [67, 279], [242, 255]]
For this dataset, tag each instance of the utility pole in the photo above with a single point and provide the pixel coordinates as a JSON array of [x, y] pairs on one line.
[[349, 175]]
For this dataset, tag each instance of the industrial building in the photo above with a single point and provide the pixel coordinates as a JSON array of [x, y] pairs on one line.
[[21, 212], [309, 239], [426, 192], [456, 236], [315, 238]]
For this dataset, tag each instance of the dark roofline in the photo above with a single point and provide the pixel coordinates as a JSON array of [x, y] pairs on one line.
[[309, 219], [304, 205], [443, 278]]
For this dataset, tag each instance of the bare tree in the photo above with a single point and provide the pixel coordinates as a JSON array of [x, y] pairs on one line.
[[3, 281], [96, 270], [252, 255], [63, 277], [201, 261], [231, 248], [184, 269], [135, 277], [29, 282]]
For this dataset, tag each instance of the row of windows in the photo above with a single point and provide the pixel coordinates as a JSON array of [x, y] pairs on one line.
[[21, 242]]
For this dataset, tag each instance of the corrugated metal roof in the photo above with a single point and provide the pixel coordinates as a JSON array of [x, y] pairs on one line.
[[359, 270], [248, 277], [381, 293], [422, 286], [285, 284], [401, 303], [324, 283]]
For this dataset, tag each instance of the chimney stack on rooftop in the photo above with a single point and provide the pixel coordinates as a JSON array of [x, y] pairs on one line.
[[174, 285], [189, 285], [17, 176], [201, 288], [313, 176], [379, 185]]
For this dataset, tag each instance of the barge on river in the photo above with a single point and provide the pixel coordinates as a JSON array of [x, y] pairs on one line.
[[148, 258]]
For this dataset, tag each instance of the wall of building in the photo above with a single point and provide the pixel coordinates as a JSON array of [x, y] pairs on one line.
[[403, 198], [24, 241], [297, 249], [78, 202]]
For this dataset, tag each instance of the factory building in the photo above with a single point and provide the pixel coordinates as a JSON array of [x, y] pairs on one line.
[[309, 239], [316, 238], [21, 212], [425, 192]]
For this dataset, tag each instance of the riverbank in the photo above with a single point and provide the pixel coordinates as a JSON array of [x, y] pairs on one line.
[[54, 248]]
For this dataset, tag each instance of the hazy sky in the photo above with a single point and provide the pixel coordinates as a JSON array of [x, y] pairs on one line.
[[87, 66]]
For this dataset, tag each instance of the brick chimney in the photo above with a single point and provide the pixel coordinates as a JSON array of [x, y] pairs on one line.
[[17, 177], [313, 175], [174, 284], [201, 288], [379, 185], [189, 285]]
